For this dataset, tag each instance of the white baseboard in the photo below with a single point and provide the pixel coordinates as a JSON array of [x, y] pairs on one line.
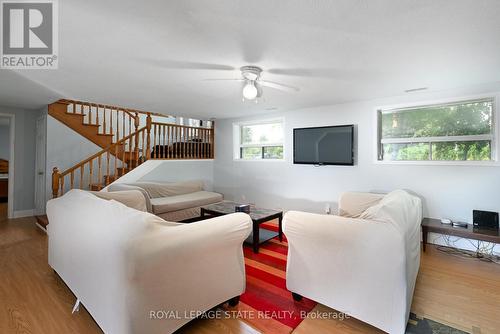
[[24, 213]]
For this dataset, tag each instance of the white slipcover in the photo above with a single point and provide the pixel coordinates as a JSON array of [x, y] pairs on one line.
[[366, 268], [124, 264]]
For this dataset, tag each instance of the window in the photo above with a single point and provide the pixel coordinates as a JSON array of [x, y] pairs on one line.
[[262, 140], [461, 131]]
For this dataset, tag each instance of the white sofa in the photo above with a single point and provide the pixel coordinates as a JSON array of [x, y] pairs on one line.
[[363, 263], [172, 201], [129, 267]]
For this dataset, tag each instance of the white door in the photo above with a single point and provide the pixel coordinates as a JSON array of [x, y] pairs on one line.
[[41, 139]]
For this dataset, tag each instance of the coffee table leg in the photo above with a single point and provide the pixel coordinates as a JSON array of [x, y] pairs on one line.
[[280, 227], [255, 237]]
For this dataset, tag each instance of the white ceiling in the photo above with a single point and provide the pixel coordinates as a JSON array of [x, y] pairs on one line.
[[155, 55]]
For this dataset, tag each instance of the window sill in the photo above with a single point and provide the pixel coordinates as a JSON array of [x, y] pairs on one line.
[[259, 160], [441, 163]]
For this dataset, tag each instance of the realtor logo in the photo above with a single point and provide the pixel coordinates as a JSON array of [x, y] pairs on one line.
[[29, 34]]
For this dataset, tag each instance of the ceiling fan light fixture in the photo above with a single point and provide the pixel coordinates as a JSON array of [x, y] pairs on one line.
[[250, 91]]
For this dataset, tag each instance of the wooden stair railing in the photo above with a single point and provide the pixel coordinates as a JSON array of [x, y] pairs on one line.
[[107, 165], [172, 141], [101, 124], [155, 140]]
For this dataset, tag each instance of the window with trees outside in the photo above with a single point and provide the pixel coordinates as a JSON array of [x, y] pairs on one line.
[[461, 131], [259, 141]]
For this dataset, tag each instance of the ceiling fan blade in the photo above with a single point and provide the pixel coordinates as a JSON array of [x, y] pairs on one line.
[[223, 80], [185, 65], [327, 73], [278, 86]]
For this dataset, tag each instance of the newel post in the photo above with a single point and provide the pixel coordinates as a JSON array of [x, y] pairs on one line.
[[55, 182], [212, 140], [148, 136]]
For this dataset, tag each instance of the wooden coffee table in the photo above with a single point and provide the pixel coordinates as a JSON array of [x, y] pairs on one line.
[[258, 215]]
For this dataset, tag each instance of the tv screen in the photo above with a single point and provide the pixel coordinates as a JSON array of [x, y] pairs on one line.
[[329, 145]]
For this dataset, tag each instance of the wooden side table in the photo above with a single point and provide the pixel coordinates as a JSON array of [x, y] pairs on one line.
[[435, 225]]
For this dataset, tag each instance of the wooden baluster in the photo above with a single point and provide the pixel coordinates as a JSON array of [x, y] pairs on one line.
[[62, 185], [136, 150], [74, 108], [168, 142], [165, 142], [136, 139], [97, 115], [107, 168], [123, 124], [125, 152], [90, 113], [202, 142], [212, 141], [116, 163], [179, 152], [205, 143], [143, 146], [129, 124], [198, 145], [154, 142], [148, 137], [82, 171], [177, 143], [72, 179], [191, 144], [55, 182], [99, 173], [91, 171], [187, 137], [105, 130], [111, 124], [117, 126], [184, 140]]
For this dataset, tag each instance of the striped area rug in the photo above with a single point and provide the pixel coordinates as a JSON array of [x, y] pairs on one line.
[[266, 303]]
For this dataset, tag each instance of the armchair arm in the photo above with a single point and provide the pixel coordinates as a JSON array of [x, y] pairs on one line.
[[125, 187], [186, 268]]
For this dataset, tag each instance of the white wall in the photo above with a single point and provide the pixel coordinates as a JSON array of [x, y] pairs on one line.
[[172, 171], [4, 139], [24, 158], [65, 148], [448, 191]]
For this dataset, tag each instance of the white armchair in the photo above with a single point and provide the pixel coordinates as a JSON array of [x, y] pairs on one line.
[[364, 264], [135, 272]]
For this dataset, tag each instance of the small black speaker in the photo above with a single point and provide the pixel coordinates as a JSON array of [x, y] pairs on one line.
[[242, 208], [485, 219]]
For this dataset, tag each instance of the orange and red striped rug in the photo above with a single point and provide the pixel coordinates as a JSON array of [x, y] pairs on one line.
[[266, 303]]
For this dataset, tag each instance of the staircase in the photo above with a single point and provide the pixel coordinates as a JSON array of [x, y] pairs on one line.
[[101, 124], [128, 138]]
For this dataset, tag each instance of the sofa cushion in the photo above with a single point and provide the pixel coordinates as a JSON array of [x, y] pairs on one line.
[[132, 198], [185, 201], [127, 187], [162, 189]]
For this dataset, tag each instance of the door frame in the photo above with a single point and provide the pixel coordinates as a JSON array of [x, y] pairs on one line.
[[12, 130], [40, 191]]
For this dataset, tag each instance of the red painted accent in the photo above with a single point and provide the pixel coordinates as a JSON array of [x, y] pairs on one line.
[[265, 259], [275, 302]]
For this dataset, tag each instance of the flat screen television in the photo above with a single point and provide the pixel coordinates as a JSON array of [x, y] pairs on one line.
[[327, 145]]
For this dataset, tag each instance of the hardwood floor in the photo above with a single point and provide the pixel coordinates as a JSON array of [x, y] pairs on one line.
[[463, 293]]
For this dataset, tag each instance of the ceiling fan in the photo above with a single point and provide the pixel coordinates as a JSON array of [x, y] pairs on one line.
[[253, 83]]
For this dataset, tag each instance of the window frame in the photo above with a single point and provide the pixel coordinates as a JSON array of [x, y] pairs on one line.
[[238, 145], [493, 137]]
